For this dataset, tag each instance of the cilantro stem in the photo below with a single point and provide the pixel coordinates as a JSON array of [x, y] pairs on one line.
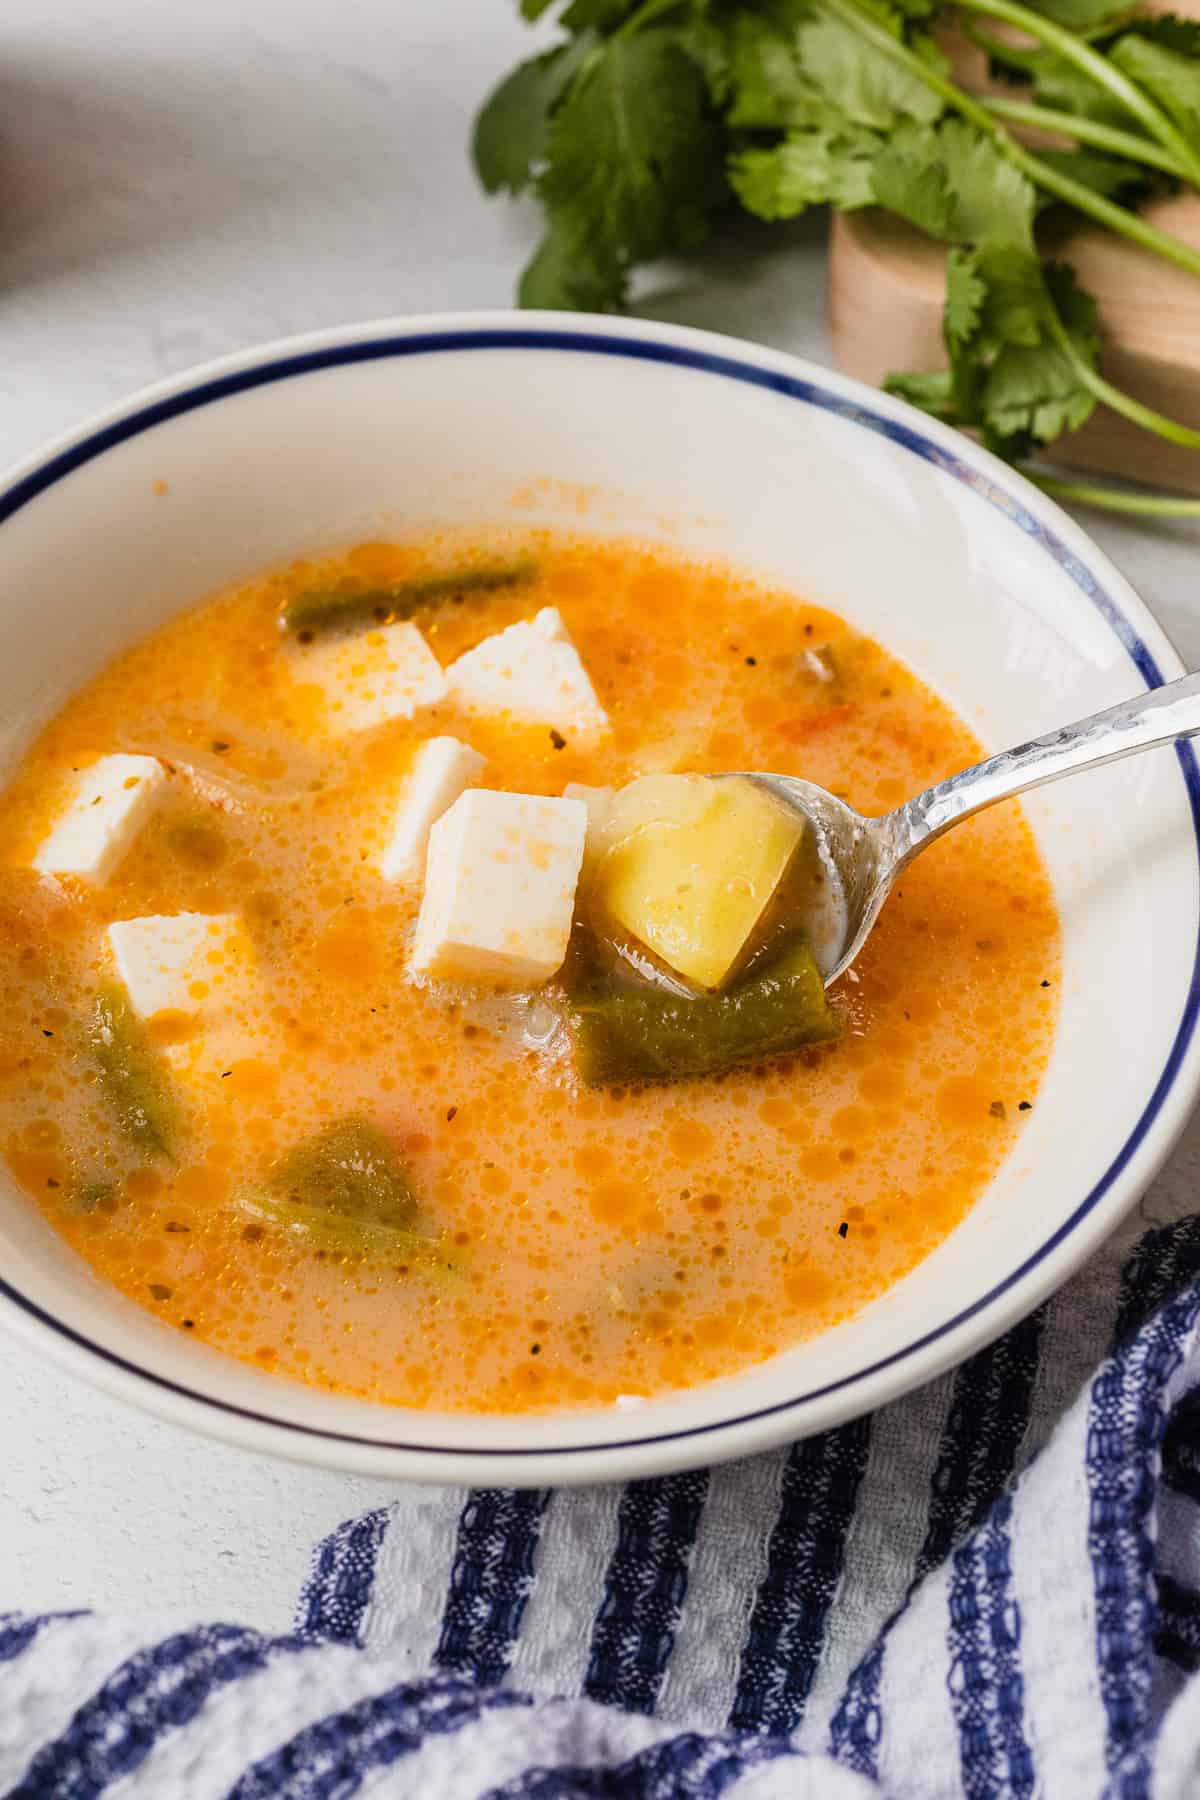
[[1082, 493], [1064, 187], [1114, 397], [1084, 131], [1102, 71], [1029, 57], [1107, 212]]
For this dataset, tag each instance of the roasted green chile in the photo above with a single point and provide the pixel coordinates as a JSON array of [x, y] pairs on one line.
[[337, 609], [643, 1034], [132, 1077]]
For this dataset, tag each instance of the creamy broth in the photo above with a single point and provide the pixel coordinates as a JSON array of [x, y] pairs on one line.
[[597, 1242]]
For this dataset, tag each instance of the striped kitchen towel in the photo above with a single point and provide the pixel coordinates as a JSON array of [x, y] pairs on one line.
[[986, 1589]]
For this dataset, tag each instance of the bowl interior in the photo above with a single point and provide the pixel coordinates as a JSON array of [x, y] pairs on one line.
[[832, 491]]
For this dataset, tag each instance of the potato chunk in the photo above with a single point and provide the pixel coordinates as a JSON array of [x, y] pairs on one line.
[[690, 866]]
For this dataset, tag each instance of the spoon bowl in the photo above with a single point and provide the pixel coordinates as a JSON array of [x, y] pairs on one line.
[[856, 855], [861, 857]]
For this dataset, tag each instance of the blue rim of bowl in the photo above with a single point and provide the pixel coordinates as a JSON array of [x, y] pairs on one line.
[[794, 387]]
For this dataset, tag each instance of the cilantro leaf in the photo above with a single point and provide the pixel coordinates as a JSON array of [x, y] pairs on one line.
[[706, 41], [909, 178], [953, 183], [1030, 397], [768, 89], [633, 169], [1033, 393], [779, 183], [1014, 304], [564, 274], [1009, 375], [966, 292], [509, 144], [1171, 76], [993, 199], [933, 393], [532, 10], [808, 168], [867, 85]]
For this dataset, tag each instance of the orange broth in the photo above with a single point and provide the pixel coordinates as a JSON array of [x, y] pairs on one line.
[[606, 1243]]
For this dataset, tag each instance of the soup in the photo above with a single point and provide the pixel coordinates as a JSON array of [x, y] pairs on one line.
[[284, 1061]]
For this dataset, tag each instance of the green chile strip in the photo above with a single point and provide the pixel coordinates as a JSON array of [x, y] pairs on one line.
[[638, 1036], [346, 1191], [131, 1075], [344, 609]]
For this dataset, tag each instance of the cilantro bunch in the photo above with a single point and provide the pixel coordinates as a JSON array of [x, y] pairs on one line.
[[650, 119]]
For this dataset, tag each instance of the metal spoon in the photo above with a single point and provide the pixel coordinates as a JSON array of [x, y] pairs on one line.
[[863, 857]]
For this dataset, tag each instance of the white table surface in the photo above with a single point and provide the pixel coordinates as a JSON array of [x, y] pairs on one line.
[[178, 180]]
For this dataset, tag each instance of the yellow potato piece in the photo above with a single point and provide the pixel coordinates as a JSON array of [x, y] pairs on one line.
[[690, 866]]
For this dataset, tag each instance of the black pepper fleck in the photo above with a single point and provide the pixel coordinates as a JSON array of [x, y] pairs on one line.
[[843, 1229], [159, 1291], [450, 1112], [535, 1349], [1045, 984], [219, 746], [997, 1110], [752, 662], [558, 740], [1025, 1106], [225, 1074], [189, 1324], [46, 1033]]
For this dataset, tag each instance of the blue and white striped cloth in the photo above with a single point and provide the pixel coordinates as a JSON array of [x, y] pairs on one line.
[[927, 1602]]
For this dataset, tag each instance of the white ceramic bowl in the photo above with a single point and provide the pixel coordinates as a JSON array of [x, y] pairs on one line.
[[967, 573]]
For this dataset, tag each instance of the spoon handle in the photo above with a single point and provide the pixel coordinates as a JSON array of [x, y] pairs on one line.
[[1148, 719]]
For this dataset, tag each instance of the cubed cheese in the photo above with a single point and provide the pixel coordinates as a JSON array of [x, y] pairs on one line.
[[373, 676], [195, 966], [113, 799], [532, 672], [441, 769], [500, 888]]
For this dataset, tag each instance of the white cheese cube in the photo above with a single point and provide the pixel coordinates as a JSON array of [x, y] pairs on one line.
[[189, 963], [441, 769], [374, 676], [532, 672], [500, 888], [113, 800]]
